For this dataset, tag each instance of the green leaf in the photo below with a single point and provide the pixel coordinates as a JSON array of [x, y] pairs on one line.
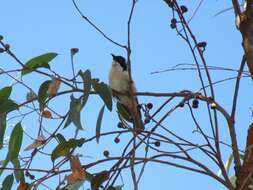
[[19, 174], [104, 92], [99, 121], [42, 94], [7, 106], [60, 138], [74, 112], [86, 76], [14, 145], [2, 128], [15, 142], [7, 183], [4, 95], [123, 111], [37, 62], [5, 163], [99, 179], [5, 92], [64, 148]]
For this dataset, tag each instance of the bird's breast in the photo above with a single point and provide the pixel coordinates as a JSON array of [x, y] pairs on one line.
[[118, 80]]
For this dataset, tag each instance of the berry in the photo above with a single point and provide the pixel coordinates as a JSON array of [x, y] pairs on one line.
[[147, 120], [116, 140], [184, 9], [157, 143], [120, 125], [7, 46], [32, 177], [202, 44], [27, 173], [172, 26], [170, 3], [150, 106], [106, 153], [181, 104], [173, 23], [195, 103]]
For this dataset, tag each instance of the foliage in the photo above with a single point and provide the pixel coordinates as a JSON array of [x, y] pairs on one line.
[[158, 143]]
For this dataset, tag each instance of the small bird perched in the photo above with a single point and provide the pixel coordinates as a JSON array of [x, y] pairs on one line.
[[119, 82]]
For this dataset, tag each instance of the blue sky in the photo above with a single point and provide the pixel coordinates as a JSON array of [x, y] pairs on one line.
[[36, 27]]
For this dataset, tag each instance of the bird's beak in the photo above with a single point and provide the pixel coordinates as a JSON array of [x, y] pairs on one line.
[[113, 55]]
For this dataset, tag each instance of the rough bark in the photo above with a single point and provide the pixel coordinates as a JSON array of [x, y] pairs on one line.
[[245, 175], [246, 28]]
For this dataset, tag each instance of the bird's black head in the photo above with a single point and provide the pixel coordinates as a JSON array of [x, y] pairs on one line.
[[121, 60]]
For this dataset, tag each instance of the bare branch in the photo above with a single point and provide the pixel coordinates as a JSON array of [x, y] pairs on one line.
[[237, 84], [97, 28], [236, 6]]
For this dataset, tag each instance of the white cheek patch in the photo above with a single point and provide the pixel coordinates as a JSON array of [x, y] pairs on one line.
[[118, 67], [114, 64]]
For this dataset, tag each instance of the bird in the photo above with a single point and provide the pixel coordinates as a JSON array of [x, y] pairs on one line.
[[119, 82]]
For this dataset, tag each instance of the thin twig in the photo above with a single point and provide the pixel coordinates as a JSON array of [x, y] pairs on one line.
[[237, 85], [237, 9], [96, 28]]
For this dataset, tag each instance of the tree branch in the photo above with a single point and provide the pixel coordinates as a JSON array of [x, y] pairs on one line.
[[96, 28]]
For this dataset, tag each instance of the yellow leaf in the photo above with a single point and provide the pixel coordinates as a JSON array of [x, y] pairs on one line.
[[46, 114], [23, 186], [78, 173], [54, 87], [37, 143]]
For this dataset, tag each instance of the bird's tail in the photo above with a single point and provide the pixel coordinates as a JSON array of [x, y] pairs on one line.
[[138, 123], [137, 119], [130, 111]]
